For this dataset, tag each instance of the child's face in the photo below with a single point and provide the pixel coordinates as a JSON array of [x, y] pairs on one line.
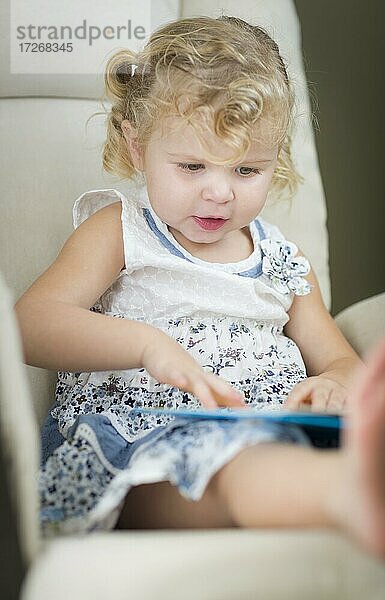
[[187, 191]]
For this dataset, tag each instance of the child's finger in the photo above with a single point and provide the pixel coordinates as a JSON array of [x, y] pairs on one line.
[[298, 395], [194, 385], [336, 404], [319, 400], [225, 394], [202, 391], [210, 390], [177, 379]]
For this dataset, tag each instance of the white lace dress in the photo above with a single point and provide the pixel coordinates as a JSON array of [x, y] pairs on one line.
[[230, 317]]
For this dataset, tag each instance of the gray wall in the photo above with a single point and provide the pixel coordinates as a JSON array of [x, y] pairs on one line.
[[344, 51]]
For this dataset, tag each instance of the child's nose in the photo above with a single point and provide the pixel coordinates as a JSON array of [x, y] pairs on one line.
[[218, 189]]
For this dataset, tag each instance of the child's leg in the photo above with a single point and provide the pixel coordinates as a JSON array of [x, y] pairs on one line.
[[266, 485], [281, 485], [275, 485], [161, 506]]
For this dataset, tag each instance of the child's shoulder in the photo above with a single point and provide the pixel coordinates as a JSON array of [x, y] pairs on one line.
[[93, 201]]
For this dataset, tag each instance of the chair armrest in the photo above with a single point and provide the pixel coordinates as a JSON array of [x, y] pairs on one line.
[[363, 323], [20, 439]]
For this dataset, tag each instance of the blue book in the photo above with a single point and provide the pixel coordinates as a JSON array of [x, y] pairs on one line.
[[322, 428]]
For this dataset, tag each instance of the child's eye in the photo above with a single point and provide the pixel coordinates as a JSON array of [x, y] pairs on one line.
[[190, 167], [249, 171]]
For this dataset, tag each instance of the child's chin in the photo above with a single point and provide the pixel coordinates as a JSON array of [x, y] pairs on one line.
[[204, 237], [191, 242]]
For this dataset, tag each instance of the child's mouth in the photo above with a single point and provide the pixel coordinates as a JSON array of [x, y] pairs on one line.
[[209, 223]]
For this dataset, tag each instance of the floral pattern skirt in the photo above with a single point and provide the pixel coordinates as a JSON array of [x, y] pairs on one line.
[[84, 479], [95, 450]]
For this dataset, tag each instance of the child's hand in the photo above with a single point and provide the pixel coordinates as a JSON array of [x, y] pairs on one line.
[[168, 362], [320, 393]]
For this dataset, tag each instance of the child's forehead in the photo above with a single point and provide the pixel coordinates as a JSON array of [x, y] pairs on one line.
[[177, 138]]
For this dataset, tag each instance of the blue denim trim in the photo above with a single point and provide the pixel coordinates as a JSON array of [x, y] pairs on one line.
[[254, 272], [261, 231], [51, 438], [115, 448], [51, 514], [162, 238]]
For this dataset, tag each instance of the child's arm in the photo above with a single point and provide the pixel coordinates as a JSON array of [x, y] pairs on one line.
[[59, 332], [329, 358]]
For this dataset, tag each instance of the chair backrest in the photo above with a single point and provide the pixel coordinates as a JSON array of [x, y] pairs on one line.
[[304, 219], [18, 429], [52, 158]]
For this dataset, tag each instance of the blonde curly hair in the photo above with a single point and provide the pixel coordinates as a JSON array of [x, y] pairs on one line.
[[221, 73]]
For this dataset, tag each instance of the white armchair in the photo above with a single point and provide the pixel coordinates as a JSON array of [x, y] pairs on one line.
[[50, 160]]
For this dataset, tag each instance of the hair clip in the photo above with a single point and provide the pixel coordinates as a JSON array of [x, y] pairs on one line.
[[133, 69]]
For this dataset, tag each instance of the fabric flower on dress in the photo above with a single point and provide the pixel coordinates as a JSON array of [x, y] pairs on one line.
[[284, 269]]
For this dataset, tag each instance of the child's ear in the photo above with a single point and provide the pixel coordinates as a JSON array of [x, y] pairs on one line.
[[131, 137]]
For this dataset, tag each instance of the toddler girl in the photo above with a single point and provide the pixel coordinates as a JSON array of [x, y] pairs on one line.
[[180, 295]]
